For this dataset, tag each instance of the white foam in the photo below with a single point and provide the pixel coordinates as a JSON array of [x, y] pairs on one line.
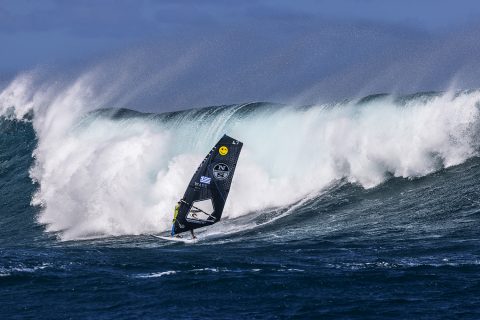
[[8, 271], [157, 274], [209, 269]]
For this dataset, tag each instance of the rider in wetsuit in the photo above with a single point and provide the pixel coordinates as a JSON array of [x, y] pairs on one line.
[[175, 213]]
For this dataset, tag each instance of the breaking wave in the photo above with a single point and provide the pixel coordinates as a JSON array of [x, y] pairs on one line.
[[116, 171]]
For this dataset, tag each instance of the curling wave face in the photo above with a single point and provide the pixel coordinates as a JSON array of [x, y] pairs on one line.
[[116, 172]]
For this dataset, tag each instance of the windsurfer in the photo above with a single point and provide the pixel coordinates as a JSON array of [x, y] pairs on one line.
[[175, 213]]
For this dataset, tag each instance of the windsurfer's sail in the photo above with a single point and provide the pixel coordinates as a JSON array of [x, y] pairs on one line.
[[205, 197]]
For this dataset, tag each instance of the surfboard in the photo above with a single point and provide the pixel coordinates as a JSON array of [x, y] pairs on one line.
[[175, 239]]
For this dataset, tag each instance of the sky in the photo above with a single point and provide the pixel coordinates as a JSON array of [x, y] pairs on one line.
[[179, 54]]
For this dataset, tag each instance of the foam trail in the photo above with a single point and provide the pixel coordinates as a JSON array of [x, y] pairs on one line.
[[101, 176]]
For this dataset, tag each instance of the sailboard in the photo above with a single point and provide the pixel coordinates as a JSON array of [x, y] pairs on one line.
[[204, 199], [175, 239]]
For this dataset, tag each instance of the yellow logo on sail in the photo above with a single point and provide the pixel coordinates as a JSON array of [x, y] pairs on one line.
[[223, 150]]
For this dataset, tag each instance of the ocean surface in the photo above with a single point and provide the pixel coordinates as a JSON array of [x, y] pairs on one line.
[[364, 209]]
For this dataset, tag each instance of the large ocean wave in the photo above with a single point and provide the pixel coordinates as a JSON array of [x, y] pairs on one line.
[[116, 172]]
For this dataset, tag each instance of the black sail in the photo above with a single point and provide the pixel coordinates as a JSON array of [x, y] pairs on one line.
[[203, 202]]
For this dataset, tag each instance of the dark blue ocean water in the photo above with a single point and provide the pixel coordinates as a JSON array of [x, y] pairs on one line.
[[408, 248]]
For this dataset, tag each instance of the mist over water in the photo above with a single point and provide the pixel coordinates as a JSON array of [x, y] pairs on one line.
[[106, 173]]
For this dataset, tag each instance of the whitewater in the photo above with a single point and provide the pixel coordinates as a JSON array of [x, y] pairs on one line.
[[111, 172]]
